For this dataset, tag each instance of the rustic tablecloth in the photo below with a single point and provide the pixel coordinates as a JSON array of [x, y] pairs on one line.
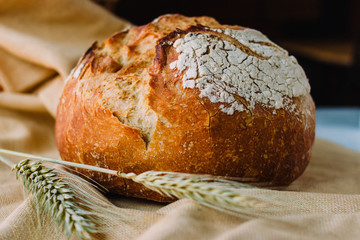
[[40, 41]]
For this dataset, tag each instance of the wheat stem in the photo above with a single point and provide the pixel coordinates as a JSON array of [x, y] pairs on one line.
[[7, 162], [61, 162]]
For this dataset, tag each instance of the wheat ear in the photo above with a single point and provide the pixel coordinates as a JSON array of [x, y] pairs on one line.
[[57, 197], [73, 211], [207, 190]]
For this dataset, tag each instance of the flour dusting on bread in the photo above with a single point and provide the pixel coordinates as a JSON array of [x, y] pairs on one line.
[[223, 71]]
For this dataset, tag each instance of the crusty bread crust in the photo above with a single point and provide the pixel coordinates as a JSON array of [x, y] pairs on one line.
[[125, 109]]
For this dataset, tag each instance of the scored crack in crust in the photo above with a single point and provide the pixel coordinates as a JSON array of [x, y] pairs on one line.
[[187, 95]]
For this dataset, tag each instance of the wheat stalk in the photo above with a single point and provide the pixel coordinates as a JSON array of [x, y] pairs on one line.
[[207, 190]]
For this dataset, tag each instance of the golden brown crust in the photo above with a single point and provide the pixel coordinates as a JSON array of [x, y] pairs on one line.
[[125, 109]]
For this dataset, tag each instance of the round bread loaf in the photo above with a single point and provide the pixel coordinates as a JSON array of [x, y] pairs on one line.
[[187, 94]]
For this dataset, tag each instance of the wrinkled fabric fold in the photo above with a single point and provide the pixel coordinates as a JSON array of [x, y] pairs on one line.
[[41, 39]]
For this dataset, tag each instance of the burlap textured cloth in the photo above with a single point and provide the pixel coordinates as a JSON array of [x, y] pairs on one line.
[[40, 41]]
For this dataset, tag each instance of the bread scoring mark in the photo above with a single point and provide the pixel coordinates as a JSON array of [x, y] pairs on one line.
[[219, 33], [117, 37], [156, 20], [145, 136], [226, 63], [269, 44], [127, 102], [211, 116], [82, 65], [122, 89], [166, 42], [107, 64], [241, 101]]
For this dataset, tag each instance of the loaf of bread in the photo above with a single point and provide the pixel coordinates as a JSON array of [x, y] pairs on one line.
[[187, 94]]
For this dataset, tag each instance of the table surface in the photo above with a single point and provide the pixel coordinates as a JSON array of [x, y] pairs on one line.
[[340, 125]]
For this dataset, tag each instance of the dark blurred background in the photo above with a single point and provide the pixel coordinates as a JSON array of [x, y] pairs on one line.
[[324, 35]]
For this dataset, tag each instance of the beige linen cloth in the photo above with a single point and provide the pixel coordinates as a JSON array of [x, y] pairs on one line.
[[40, 42]]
